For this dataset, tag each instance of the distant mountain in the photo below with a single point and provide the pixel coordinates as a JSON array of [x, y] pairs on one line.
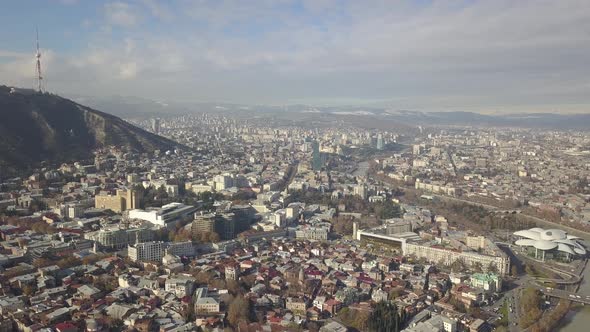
[[36, 127], [133, 107]]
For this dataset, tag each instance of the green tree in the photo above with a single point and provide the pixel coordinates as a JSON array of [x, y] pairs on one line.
[[385, 318], [386, 210]]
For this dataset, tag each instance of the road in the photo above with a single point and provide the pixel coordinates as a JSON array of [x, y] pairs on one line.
[[562, 294], [571, 279]]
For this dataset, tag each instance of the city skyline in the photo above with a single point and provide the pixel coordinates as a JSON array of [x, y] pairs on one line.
[[482, 56]]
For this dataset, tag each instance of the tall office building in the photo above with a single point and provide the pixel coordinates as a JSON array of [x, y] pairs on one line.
[[156, 125], [316, 159], [224, 224], [416, 149], [380, 144]]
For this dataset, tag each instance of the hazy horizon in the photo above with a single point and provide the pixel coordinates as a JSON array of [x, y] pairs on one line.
[[479, 56]]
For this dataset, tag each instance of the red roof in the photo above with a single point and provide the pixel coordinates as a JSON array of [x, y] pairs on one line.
[[65, 326]]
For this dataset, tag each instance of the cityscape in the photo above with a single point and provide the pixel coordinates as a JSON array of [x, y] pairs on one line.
[[149, 214]]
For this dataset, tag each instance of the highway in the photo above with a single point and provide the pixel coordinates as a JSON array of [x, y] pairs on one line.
[[585, 299]]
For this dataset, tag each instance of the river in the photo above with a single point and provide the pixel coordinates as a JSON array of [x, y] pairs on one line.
[[578, 319]]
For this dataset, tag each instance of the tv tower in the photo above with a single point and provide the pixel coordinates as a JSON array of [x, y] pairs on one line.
[[38, 56]]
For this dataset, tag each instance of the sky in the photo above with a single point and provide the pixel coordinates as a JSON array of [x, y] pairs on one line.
[[426, 55]]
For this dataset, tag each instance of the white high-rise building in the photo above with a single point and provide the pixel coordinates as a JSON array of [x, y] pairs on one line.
[[223, 182], [147, 251]]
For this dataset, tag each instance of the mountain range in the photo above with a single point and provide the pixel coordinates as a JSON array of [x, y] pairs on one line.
[[132, 107]]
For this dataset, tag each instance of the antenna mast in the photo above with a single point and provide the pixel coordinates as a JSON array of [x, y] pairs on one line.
[[38, 56]]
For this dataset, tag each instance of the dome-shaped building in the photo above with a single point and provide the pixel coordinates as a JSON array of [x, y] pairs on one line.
[[550, 243]]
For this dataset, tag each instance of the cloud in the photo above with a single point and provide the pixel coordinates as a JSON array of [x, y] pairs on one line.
[[159, 10], [128, 70], [11, 54], [483, 54], [120, 14]]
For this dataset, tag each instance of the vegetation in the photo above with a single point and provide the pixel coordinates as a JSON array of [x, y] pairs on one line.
[[386, 318], [309, 197], [44, 127], [357, 319], [533, 271], [477, 217], [530, 303], [459, 265], [63, 263], [239, 311], [504, 312], [550, 320], [386, 210], [35, 224], [207, 237]]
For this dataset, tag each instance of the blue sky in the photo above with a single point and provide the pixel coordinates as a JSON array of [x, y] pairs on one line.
[[489, 55]]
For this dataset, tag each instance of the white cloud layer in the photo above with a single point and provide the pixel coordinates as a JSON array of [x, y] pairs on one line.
[[121, 14], [494, 55]]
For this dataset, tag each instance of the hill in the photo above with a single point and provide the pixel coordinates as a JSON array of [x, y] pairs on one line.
[[37, 127]]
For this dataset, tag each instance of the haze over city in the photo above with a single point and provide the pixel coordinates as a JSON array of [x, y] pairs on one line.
[[294, 166], [483, 56]]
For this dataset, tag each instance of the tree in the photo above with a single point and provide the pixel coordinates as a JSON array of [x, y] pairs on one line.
[[386, 210], [458, 266], [342, 225], [385, 318], [459, 306], [477, 267], [514, 271], [492, 268], [114, 324], [188, 311], [162, 193], [394, 293], [28, 290], [355, 318], [21, 242], [233, 286], [207, 237], [183, 235], [530, 303], [239, 310]]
